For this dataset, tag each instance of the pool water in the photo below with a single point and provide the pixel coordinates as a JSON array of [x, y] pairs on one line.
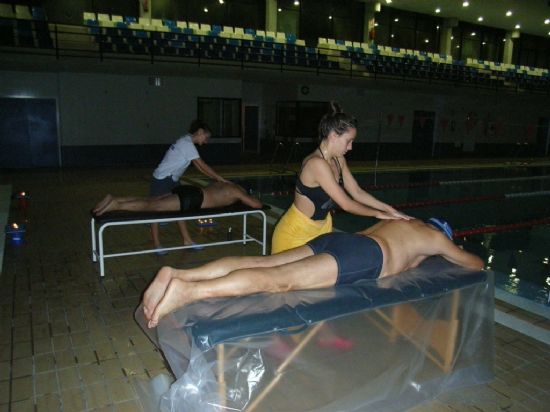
[[519, 258]]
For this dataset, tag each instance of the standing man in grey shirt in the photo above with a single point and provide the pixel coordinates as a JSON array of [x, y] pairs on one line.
[[175, 162]]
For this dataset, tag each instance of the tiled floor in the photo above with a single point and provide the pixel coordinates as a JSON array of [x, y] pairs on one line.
[[68, 342]]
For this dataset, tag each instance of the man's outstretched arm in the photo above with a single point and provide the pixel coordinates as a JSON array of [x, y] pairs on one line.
[[458, 256]]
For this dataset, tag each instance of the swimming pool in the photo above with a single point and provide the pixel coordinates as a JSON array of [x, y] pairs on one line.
[[469, 199]]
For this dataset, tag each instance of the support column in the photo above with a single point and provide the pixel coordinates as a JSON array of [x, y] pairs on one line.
[[145, 8], [509, 46], [445, 40], [371, 8], [271, 15], [446, 32]]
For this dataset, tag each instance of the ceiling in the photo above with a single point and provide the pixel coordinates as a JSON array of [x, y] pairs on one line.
[[530, 14]]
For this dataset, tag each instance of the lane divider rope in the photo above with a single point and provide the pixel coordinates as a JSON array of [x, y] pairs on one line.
[[470, 199], [502, 228], [452, 182]]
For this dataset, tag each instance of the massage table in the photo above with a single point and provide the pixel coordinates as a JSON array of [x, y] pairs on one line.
[[414, 336], [98, 225]]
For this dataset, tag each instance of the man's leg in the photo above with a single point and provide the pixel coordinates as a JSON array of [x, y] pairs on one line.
[[215, 269], [319, 271]]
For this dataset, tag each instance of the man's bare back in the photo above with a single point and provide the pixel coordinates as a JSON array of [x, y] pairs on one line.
[[406, 243]]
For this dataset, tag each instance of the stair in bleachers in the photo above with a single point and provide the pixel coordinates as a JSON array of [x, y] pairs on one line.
[[24, 26]]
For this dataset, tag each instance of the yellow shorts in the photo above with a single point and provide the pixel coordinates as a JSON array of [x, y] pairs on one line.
[[296, 229]]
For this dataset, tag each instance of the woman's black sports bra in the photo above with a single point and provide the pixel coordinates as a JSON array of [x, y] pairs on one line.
[[320, 199]]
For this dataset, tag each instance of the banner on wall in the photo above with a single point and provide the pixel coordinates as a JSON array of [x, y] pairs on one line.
[[401, 120], [530, 132], [499, 128], [444, 123], [471, 121]]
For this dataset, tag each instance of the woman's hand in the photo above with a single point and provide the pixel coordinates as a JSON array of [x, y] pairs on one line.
[[383, 215], [392, 214], [398, 214]]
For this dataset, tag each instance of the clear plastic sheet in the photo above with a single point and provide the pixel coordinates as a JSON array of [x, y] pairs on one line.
[[408, 338]]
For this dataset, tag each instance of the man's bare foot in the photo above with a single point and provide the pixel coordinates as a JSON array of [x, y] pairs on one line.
[[176, 295], [98, 209], [156, 290]]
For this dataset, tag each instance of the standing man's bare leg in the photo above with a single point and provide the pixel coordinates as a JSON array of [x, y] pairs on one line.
[[184, 233], [155, 234], [312, 272]]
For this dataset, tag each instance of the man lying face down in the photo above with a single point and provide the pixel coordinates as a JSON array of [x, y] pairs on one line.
[[387, 248], [184, 198]]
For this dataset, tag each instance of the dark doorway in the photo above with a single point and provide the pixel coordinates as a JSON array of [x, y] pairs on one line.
[[28, 133], [423, 134], [251, 129]]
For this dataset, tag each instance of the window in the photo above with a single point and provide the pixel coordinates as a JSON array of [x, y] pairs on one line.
[[407, 30], [222, 115], [241, 13], [531, 51], [299, 119], [477, 42]]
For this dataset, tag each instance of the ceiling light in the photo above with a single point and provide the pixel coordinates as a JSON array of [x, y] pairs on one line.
[[296, 3], [547, 21], [458, 46], [388, 1], [396, 19], [206, 9], [483, 43], [426, 41], [517, 26], [473, 33], [330, 17], [437, 27], [465, 3], [220, 1], [504, 40], [375, 24], [279, 10], [438, 10], [480, 18], [393, 35], [508, 13], [452, 37], [549, 33]]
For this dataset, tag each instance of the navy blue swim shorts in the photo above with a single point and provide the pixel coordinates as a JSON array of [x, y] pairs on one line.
[[358, 257], [191, 197]]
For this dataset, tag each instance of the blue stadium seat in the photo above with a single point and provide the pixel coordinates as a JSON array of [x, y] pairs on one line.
[[38, 13]]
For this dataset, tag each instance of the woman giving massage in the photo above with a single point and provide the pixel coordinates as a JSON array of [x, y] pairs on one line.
[[323, 182]]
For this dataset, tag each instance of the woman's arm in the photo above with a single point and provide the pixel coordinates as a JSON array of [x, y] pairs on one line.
[[207, 170], [318, 172], [361, 196]]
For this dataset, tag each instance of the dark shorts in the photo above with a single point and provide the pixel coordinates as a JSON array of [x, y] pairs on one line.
[[358, 257], [161, 187], [191, 197]]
